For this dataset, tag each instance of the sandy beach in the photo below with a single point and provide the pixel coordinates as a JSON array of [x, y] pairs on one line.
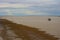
[[41, 22]]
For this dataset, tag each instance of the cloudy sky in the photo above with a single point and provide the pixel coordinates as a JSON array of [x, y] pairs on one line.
[[29, 7]]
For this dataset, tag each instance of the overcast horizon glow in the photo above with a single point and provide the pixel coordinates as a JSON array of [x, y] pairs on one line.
[[29, 7]]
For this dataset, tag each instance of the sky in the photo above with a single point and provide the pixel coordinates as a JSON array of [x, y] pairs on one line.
[[29, 7]]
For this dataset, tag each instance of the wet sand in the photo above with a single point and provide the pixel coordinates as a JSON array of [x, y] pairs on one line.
[[24, 32], [41, 22]]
